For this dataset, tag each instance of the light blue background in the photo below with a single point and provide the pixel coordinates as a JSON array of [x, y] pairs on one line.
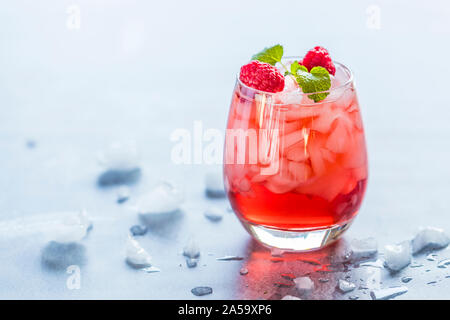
[[141, 69]]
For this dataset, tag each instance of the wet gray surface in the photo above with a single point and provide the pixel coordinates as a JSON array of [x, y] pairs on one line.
[[139, 71]]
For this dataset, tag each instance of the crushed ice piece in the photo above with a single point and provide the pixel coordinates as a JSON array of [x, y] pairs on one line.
[[230, 258], [444, 263], [191, 263], [138, 230], [214, 185], [345, 286], [163, 199], [121, 156], [201, 291], [151, 269], [362, 249], [353, 297], [191, 250], [214, 214], [406, 279], [429, 238], [289, 297], [243, 271], [275, 252], [136, 256], [123, 194], [389, 293], [398, 256], [379, 263], [71, 228], [304, 285]]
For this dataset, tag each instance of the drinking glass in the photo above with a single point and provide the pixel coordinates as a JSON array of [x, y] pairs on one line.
[[295, 170]]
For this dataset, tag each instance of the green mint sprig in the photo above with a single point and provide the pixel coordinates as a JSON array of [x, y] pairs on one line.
[[270, 55], [316, 80]]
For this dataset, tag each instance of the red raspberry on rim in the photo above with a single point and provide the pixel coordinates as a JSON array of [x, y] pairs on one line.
[[319, 56], [262, 76]]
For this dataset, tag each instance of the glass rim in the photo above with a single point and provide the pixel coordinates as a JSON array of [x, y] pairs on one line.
[[341, 86]]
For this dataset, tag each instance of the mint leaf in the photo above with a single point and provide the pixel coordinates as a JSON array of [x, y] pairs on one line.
[[296, 66], [270, 55], [318, 79]]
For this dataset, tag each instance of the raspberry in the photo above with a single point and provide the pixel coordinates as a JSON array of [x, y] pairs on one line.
[[262, 76], [319, 56]]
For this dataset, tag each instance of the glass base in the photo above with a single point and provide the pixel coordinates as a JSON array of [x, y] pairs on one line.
[[296, 240]]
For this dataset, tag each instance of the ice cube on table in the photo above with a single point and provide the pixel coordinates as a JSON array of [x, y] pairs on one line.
[[361, 249], [72, 228], [397, 256], [429, 238], [289, 297], [120, 156], [389, 293], [135, 255], [304, 285], [191, 250], [346, 286], [214, 214], [162, 199], [214, 187]]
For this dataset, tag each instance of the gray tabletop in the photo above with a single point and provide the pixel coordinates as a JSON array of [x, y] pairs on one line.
[[126, 70]]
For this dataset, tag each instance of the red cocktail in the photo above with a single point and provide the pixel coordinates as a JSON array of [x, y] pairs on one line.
[[296, 169]]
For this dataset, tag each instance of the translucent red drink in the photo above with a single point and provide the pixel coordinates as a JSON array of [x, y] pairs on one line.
[[296, 170]]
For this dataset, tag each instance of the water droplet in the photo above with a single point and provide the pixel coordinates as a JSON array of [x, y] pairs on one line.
[[201, 291], [138, 230], [444, 263], [389, 293], [431, 257], [230, 258], [406, 279], [243, 271]]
